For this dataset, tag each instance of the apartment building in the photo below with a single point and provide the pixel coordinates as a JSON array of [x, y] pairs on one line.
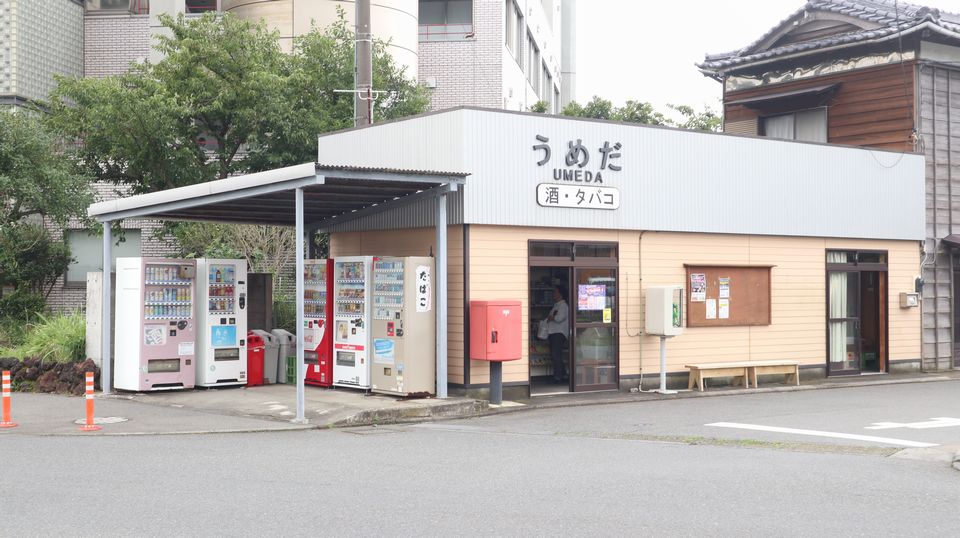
[[506, 54]]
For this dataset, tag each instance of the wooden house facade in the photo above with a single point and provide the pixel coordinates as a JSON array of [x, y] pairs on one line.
[[874, 73]]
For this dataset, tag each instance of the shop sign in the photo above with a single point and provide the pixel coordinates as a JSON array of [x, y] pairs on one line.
[[577, 158], [553, 195], [424, 298]]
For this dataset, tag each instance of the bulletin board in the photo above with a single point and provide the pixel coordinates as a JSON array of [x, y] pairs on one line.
[[728, 295]]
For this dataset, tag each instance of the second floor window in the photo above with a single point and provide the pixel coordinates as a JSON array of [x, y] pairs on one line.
[[446, 20], [807, 125], [200, 6]]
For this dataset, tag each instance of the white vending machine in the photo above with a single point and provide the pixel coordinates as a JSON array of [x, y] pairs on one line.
[[154, 324], [351, 322], [404, 327], [221, 311]]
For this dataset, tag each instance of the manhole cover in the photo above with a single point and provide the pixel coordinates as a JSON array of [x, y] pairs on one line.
[[102, 420]]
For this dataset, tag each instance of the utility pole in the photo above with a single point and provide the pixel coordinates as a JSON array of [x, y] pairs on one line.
[[363, 66]]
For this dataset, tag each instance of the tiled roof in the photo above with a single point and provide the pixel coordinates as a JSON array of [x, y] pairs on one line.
[[887, 16]]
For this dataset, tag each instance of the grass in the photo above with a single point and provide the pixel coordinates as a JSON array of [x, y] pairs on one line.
[[59, 338]]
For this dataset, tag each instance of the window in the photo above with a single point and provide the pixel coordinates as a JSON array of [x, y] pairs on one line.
[[446, 20], [112, 5], [87, 252], [547, 81], [808, 125], [513, 35], [200, 6], [533, 63]]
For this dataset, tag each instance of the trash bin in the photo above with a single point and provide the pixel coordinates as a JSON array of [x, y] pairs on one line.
[[255, 352], [288, 348], [271, 353]]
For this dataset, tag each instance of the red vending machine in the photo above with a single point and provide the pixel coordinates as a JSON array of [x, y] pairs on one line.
[[318, 313]]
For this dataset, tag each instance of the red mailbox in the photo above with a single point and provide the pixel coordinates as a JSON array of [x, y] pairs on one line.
[[495, 330], [255, 356]]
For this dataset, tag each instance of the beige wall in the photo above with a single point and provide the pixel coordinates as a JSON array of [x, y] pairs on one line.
[[418, 242], [499, 270]]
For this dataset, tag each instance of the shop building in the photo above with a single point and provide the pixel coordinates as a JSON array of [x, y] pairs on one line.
[[786, 250]]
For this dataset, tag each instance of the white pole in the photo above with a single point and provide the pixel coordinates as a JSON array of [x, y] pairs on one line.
[[301, 370], [441, 287], [663, 368], [105, 379]]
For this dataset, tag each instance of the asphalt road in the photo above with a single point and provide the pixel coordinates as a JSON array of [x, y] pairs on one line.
[[654, 468]]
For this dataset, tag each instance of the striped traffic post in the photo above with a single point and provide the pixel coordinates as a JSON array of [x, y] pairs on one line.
[[89, 426], [6, 422]]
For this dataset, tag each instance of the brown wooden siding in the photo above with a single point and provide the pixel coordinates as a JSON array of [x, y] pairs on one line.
[[872, 107]]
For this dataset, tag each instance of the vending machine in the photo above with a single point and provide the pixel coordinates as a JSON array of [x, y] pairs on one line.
[[351, 322], [317, 310], [221, 311], [403, 336], [155, 324]]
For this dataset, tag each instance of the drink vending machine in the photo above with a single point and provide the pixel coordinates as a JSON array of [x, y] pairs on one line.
[[155, 324], [404, 327], [221, 311], [317, 310], [351, 318]]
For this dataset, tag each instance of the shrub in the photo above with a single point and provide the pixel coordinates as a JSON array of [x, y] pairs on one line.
[[56, 338], [285, 314], [21, 305]]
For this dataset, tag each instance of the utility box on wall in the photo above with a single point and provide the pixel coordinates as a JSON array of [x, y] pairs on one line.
[[664, 310]]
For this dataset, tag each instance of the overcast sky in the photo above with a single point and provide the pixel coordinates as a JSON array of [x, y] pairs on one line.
[[645, 50]]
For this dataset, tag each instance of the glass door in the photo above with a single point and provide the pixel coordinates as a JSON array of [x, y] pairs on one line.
[[844, 322], [595, 329]]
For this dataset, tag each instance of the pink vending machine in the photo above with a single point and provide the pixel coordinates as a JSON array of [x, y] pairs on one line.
[[155, 327]]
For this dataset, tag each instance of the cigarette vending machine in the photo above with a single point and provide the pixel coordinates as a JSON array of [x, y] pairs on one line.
[[404, 327], [155, 324], [351, 318], [317, 310], [221, 311]]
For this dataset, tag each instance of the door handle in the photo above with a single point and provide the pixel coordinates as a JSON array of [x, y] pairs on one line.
[[493, 337]]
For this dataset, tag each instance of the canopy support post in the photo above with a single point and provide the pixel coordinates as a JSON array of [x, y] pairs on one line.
[[105, 329], [441, 287], [301, 370]]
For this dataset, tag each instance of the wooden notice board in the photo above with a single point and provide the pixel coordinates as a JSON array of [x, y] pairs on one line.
[[728, 295]]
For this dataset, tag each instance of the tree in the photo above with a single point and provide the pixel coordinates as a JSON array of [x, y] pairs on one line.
[[639, 112], [184, 119], [36, 178], [540, 107], [317, 71], [707, 120]]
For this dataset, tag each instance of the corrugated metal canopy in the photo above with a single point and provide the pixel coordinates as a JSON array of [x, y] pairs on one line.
[[268, 197]]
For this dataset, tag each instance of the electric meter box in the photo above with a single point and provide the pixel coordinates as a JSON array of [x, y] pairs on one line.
[[664, 310]]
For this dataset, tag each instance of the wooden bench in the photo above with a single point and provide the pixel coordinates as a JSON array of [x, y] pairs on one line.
[[745, 370], [699, 372], [790, 368]]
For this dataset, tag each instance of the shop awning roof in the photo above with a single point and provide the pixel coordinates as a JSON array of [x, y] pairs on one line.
[[952, 241], [268, 197]]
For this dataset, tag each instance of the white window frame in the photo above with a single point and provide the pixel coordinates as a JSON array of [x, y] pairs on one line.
[[826, 123]]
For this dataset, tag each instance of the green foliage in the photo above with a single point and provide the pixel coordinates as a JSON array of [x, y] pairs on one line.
[[640, 112], [20, 306], [285, 313], [223, 86], [35, 178], [30, 260], [540, 107], [643, 112], [321, 63], [55, 338], [707, 120]]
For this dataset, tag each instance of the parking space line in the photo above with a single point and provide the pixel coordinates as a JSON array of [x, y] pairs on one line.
[[818, 433]]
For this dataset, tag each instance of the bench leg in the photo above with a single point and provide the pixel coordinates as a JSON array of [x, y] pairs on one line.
[[691, 379], [746, 378], [753, 376], [700, 381]]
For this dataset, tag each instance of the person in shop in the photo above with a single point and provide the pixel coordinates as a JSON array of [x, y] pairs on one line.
[[557, 328]]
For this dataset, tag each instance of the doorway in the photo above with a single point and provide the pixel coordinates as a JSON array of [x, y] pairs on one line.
[[856, 312], [586, 276]]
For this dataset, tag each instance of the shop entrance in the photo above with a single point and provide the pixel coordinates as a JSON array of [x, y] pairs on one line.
[[856, 312], [585, 276]]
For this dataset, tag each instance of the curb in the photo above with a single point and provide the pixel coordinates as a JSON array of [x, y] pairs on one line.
[[455, 410], [622, 398]]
